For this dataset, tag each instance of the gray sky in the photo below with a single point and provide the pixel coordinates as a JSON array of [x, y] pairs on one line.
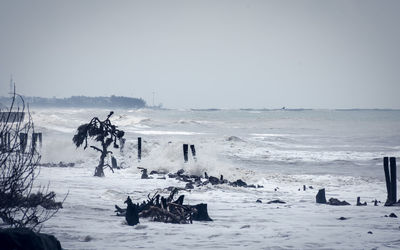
[[199, 54]]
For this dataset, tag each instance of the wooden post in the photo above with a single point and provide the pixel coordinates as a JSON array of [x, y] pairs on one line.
[[40, 139], [193, 152], [393, 180], [114, 162], [1, 142], [34, 140], [23, 141], [387, 177], [8, 136], [139, 147], [185, 152]]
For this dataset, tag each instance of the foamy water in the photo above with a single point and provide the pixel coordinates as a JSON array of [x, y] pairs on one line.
[[290, 142], [281, 150]]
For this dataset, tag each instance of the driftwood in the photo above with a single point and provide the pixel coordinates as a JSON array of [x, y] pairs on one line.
[[359, 202], [167, 210], [144, 173], [195, 180], [320, 198], [276, 202], [336, 202], [57, 165]]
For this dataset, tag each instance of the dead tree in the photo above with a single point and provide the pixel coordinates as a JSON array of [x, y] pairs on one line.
[[20, 205], [103, 132]]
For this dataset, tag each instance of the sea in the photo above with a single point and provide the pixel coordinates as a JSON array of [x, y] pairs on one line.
[[291, 142], [288, 154]]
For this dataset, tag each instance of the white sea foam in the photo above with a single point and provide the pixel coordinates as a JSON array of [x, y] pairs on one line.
[[163, 132], [280, 150]]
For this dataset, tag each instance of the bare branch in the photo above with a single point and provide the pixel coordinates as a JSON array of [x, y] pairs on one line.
[[96, 148], [19, 205]]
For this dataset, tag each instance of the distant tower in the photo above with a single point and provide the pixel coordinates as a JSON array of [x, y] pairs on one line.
[[153, 97], [11, 85]]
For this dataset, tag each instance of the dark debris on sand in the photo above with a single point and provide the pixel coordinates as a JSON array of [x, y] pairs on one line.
[[163, 209], [197, 181]]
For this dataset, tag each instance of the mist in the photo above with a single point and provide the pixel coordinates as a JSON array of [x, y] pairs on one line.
[[203, 54]]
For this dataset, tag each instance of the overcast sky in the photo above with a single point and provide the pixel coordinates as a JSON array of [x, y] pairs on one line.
[[201, 54]]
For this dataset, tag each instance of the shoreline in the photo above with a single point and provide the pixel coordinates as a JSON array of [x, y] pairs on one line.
[[239, 221]]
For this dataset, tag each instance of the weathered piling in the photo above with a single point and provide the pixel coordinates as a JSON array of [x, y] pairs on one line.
[[23, 141], [34, 141], [8, 141], [185, 152], [139, 148], [387, 177], [393, 179], [40, 139], [114, 164], [192, 148]]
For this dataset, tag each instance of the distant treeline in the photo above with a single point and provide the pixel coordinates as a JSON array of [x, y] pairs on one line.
[[82, 101]]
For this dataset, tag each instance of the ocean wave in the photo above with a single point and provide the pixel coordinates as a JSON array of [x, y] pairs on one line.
[[163, 132], [198, 122]]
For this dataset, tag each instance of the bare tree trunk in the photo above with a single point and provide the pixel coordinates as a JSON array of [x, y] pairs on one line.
[[99, 172]]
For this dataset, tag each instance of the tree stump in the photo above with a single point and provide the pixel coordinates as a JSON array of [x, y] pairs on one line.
[[132, 213], [359, 202], [320, 198], [201, 213]]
